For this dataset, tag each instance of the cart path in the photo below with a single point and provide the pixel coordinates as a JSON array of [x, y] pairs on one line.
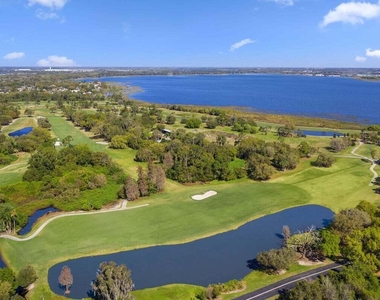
[[373, 163], [122, 206], [289, 283]]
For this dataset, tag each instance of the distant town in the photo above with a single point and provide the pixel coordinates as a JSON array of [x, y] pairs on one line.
[[125, 71]]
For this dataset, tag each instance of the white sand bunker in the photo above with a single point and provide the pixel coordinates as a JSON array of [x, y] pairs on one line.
[[204, 196], [102, 143]]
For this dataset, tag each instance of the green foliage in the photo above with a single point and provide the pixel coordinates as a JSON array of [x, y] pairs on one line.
[[324, 160], [348, 220], [5, 290], [304, 149], [193, 123], [352, 282], [26, 276], [170, 119], [305, 242], [43, 123], [7, 275], [329, 243], [113, 282], [275, 260], [118, 142]]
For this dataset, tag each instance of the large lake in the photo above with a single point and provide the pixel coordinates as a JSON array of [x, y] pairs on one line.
[[218, 258], [329, 97]]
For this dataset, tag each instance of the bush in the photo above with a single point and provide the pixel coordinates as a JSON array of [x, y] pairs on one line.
[[193, 123], [276, 259], [324, 160]]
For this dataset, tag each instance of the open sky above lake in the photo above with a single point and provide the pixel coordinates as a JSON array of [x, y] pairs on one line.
[[212, 33]]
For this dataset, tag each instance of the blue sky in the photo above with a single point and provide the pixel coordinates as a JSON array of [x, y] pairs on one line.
[[174, 33]]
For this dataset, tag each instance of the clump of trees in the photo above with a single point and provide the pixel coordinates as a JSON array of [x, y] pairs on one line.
[[148, 183], [354, 235], [113, 282], [15, 287]]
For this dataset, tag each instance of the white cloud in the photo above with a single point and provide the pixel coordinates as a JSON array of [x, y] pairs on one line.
[[14, 55], [372, 53], [241, 44], [283, 2], [56, 61], [53, 4], [43, 15], [352, 12], [360, 58]]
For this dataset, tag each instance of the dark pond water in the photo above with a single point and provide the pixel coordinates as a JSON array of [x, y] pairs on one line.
[[2, 263], [218, 258], [329, 97], [33, 219], [21, 132], [321, 133]]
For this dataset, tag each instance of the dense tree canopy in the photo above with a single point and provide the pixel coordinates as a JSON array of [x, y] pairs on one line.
[[113, 282]]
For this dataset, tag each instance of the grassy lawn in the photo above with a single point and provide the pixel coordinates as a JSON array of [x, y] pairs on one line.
[[341, 186], [172, 217]]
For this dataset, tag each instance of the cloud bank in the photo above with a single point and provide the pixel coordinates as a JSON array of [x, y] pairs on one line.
[[352, 13], [56, 61], [53, 4], [14, 55], [241, 44], [372, 53]]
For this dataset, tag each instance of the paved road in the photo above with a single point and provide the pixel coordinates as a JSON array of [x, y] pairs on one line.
[[289, 283]]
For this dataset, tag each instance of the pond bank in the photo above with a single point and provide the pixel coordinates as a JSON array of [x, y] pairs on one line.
[[214, 259]]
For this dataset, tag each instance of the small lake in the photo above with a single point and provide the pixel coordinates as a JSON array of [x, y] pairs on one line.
[[33, 219], [321, 133], [21, 131], [218, 258]]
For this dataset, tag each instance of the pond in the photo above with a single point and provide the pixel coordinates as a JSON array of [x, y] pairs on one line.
[[2, 263], [33, 219], [218, 258], [321, 133], [21, 131]]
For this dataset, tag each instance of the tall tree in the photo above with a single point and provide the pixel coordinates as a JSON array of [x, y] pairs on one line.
[[113, 282], [142, 182], [131, 189], [66, 279]]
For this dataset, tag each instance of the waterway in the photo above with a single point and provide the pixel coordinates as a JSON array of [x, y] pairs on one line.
[[33, 219], [218, 258], [21, 131], [330, 97]]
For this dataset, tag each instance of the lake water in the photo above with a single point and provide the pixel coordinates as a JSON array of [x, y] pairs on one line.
[[321, 133], [21, 132], [218, 258], [33, 218], [329, 97]]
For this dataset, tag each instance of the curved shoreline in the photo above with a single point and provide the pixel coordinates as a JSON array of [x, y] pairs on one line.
[[122, 207]]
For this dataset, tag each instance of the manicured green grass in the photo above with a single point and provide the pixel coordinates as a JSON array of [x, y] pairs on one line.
[[343, 185], [169, 292], [172, 217], [61, 128]]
